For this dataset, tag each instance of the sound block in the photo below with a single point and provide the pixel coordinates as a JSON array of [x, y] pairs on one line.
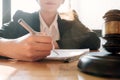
[[100, 63]]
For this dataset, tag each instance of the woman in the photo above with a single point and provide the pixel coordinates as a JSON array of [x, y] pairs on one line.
[[19, 44]]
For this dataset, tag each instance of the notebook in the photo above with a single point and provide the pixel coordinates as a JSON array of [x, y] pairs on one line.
[[66, 55]]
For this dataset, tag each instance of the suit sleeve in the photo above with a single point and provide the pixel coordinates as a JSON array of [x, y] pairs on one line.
[[12, 29], [92, 41], [74, 35]]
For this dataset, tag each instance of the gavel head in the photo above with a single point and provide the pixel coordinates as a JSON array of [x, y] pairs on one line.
[[112, 31]]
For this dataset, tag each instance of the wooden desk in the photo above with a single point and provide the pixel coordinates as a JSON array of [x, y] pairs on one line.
[[44, 70]]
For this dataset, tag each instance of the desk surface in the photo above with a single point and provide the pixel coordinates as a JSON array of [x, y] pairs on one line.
[[43, 70]]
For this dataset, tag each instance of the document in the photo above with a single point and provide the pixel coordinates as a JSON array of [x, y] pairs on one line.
[[66, 55]]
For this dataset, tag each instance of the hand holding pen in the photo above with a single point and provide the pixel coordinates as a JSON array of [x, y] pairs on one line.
[[31, 31]]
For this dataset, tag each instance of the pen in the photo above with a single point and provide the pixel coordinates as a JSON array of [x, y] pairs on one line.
[[53, 49], [55, 52], [26, 26], [29, 29]]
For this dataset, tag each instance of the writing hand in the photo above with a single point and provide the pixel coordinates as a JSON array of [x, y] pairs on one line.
[[28, 48]]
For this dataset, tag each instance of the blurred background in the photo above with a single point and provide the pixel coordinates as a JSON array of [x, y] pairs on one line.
[[90, 11]]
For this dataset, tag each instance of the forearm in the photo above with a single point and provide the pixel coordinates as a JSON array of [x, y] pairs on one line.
[[0, 47], [4, 45], [26, 48]]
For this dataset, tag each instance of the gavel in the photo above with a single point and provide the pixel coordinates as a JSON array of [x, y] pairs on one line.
[[106, 62], [112, 31]]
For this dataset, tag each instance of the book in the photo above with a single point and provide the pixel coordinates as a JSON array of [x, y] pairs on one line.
[[66, 55]]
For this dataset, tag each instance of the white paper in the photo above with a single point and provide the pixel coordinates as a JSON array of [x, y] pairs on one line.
[[66, 54]]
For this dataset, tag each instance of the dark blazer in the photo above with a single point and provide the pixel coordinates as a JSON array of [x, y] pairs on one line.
[[73, 34]]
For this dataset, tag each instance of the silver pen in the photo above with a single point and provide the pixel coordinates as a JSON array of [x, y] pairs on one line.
[[26, 26]]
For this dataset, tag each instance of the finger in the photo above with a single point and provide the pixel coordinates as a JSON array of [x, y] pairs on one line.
[[41, 33], [38, 55], [39, 46], [42, 39]]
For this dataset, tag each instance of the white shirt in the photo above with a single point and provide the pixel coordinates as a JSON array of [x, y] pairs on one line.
[[51, 30]]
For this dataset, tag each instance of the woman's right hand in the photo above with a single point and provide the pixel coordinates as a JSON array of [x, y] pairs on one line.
[[26, 48]]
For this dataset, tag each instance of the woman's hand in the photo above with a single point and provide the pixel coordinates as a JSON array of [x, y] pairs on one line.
[[26, 48]]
